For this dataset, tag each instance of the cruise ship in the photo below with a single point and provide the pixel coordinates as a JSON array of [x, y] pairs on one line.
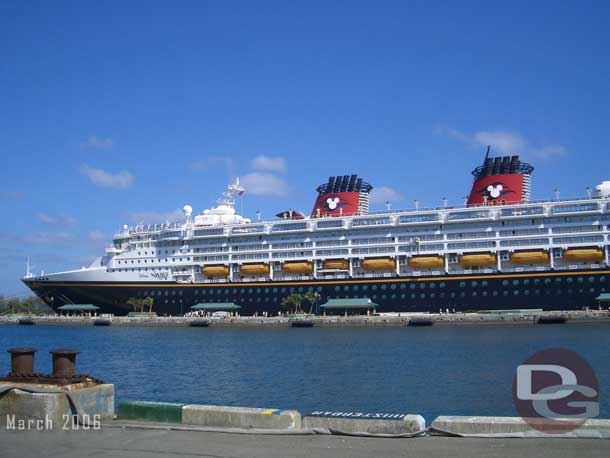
[[500, 250]]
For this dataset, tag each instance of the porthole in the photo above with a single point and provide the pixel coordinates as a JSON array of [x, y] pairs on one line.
[[474, 283], [504, 282]]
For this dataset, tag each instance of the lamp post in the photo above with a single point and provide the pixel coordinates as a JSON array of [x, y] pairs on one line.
[[317, 305]]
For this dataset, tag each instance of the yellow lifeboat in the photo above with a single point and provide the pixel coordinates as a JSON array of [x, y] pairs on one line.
[[426, 262], [379, 264], [478, 260], [216, 271], [530, 257], [339, 264], [298, 267], [583, 255], [254, 269]]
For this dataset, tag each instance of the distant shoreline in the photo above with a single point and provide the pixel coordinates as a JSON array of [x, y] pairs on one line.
[[397, 320]]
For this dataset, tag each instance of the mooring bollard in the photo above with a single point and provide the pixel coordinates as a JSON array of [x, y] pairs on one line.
[[64, 362], [22, 360]]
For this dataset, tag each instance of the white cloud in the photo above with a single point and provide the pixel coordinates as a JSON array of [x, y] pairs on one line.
[[264, 184], [99, 177], [203, 165], [505, 142], [94, 142], [97, 236], [383, 194], [271, 163], [56, 220], [46, 238], [152, 217]]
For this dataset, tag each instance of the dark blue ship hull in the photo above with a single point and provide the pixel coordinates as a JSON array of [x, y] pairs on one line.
[[552, 290]]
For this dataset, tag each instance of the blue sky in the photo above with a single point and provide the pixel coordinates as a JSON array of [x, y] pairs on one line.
[[113, 112]]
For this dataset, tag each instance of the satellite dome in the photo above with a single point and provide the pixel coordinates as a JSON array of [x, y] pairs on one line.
[[188, 210]]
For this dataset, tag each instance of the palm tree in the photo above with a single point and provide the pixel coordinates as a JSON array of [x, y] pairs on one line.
[[133, 302], [148, 302], [310, 297], [293, 302]]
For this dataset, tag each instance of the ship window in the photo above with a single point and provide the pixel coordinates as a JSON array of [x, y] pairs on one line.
[[591, 279], [474, 284], [505, 293], [462, 284], [442, 284], [403, 286], [462, 294], [580, 280], [337, 288], [484, 294], [547, 281], [494, 293], [602, 279], [384, 287], [474, 294], [374, 287], [558, 281], [412, 295], [384, 297], [412, 286], [365, 287], [403, 296], [516, 292], [422, 295], [569, 280], [515, 282], [504, 282], [422, 286], [393, 286]]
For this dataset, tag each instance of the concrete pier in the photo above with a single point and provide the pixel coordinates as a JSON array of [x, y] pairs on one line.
[[386, 320]]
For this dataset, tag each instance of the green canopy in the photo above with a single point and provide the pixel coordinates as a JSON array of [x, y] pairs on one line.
[[355, 303], [603, 297], [215, 306], [78, 308]]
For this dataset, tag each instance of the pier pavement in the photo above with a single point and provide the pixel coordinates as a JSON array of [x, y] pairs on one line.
[[133, 442]]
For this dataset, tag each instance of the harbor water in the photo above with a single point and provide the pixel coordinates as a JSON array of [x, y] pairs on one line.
[[429, 370]]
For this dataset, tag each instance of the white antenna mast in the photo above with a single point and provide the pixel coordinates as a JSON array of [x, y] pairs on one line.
[[228, 197]]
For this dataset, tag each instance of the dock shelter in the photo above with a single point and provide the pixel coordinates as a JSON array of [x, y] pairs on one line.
[[78, 309], [603, 300], [345, 305], [210, 307]]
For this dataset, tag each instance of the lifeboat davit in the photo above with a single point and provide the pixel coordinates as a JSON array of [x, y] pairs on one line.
[[379, 264], [530, 257], [298, 267], [478, 260], [254, 270], [583, 255], [216, 271], [426, 262]]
